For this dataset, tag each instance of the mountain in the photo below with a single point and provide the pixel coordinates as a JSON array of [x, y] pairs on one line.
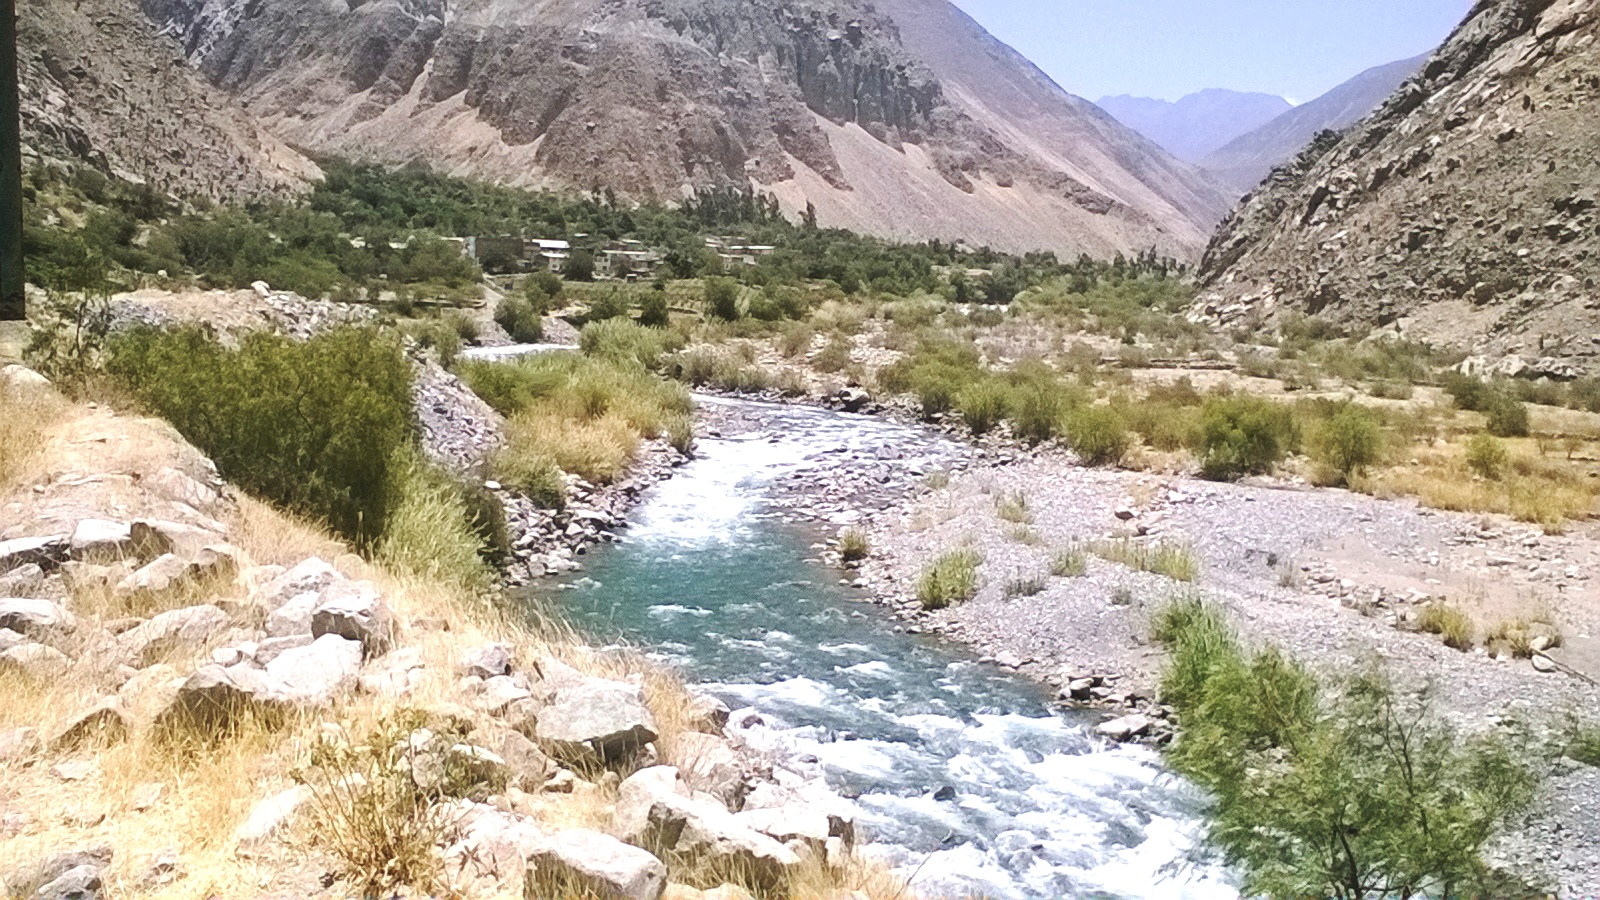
[[98, 83], [1197, 124], [1246, 160], [1464, 212], [899, 117]]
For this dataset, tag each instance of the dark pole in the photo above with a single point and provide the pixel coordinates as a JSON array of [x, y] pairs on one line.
[[13, 300]]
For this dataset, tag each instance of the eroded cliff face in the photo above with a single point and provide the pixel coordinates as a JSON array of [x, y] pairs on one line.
[[819, 100], [1462, 212], [101, 85]]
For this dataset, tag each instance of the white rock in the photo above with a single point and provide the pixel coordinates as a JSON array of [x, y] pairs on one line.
[[1125, 728], [37, 619], [269, 818], [309, 576], [354, 611], [617, 869]]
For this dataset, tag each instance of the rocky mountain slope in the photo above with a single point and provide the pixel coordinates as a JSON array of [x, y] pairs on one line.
[[1463, 212], [1247, 159], [1199, 123], [901, 118], [100, 84]]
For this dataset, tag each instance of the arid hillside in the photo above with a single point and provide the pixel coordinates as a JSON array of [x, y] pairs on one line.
[[100, 84], [1462, 212], [904, 119]]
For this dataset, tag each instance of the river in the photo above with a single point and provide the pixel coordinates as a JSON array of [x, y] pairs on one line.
[[965, 778]]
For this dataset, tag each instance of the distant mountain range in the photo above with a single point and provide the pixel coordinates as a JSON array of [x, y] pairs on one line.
[[1197, 124], [1244, 161]]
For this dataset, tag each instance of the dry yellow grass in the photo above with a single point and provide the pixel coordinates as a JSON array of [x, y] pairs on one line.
[[24, 416], [1549, 491]]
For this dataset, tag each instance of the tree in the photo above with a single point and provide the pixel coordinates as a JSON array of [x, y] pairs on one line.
[[1349, 441], [722, 298], [580, 266]]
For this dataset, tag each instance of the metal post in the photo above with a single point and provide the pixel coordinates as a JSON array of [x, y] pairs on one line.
[[13, 299]]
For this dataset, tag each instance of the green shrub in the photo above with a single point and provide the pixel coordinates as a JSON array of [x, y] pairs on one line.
[[620, 340], [1469, 393], [1355, 792], [654, 310], [315, 426], [1036, 412], [952, 578], [1024, 586], [1243, 436], [520, 318], [535, 476], [1508, 417], [1098, 435], [722, 299], [607, 305], [1348, 441], [1486, 455], [982, 405], [1070, 562]]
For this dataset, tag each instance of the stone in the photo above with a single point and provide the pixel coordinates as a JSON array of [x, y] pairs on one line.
[[652, 810], [312, 675], [152, 538], [708, 714], [709, 763], [1543, 663], [149, 692], [44, 552], [269, 818], [18, 743], [311, 576], [799, 827], [354, 611], [17, 377], [74, 874], [526, 765], [602, 864], [9, 639], [191, 626], [1125, 728], [293, 617], [493, 847], [271, 648], [146, 796], [41, 620], [22, 581], [395, 675], [1125, 513], [100, 541], [500, 692], [214, 699], [104, 722], [487, 661], [158, 576], [73, 770], [37, 660], [595, 718]]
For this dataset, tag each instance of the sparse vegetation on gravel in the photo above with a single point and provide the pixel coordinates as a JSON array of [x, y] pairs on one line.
[[950, 579]]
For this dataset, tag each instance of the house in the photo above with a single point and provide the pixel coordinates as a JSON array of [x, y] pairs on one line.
[[547, 254]]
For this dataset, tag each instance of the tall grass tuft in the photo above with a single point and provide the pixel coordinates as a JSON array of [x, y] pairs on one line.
[[1070, 562], [431, 533], [1451, 624], [952, 578], [1176, 561]]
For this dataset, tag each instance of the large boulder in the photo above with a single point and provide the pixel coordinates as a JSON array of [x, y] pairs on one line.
[[354, 611], [215, 700], [100, 541], [579, 860], [396, 675], [595, 718], [189, 627], [293, 617], [18, 378], [104, 722], [312, 675], [22, 581], [653, 810], [488, 661], [269, 818], [492, 849], [41, 620], [154, 537], [36, 660], [309, 576], [709, 763], [45, 552], [73, 875]]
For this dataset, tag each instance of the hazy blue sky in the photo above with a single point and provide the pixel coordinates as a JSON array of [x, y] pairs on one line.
[[1168, 48]]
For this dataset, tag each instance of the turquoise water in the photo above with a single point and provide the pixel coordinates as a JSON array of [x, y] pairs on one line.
[[964, 777]]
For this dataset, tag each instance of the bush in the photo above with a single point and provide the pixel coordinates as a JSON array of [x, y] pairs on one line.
[[1508, 417], [1024, 586], [722, 298], [1348, 441], [520, 318], [654, 311], [1449, 623], [1469, 393], [982, 405], [854, 545], [441, 529], [1036, 412], [317, 426], [1098, 435], [579, 267], [543, 286], [612, 304], [622, 341], [952, 578], [1243, 436], [1356, 792], [1486, 456]]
